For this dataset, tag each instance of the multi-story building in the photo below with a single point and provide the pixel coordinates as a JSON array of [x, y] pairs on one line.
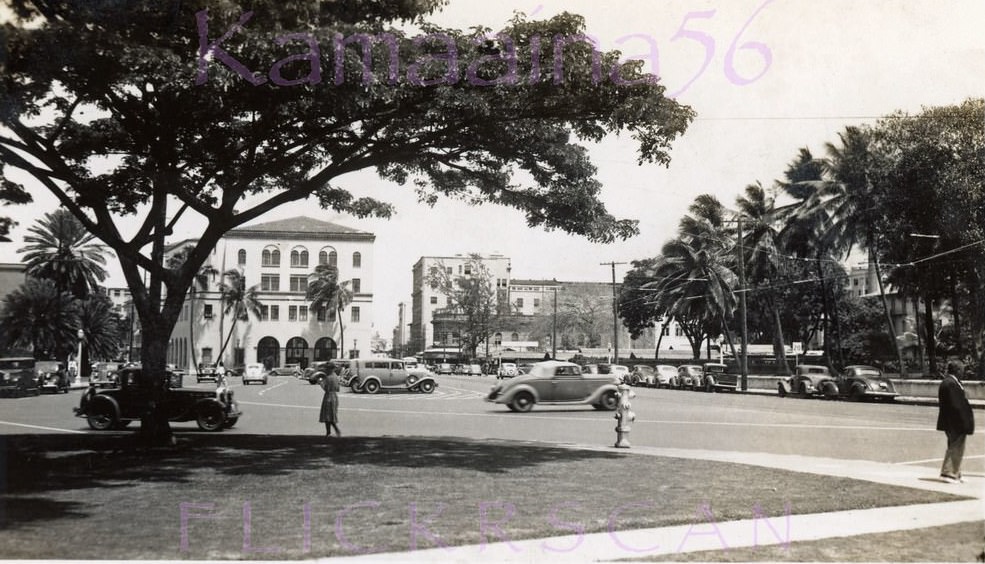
[[425, 300], [276, 259]]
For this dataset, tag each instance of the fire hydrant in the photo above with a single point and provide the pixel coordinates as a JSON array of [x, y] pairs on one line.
[[624, 415]]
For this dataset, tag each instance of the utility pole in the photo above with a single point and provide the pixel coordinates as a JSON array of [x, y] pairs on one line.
[[554, 329], [615, 313], [743, 360]]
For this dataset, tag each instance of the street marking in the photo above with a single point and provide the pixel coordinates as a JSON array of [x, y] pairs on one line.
[[926, 460], [43, 428], [268, 388], [525, 416]]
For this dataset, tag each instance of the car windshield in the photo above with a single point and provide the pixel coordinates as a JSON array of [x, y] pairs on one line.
[[867, 372]]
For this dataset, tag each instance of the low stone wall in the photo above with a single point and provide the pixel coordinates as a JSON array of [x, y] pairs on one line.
[[905, 387]]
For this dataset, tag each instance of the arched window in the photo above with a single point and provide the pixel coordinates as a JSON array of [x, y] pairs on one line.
[[299, 258], [268, 352], [296, 352], [326, 349], [514, 337], [357, 260], [323, 257], [333, 259], [241, 257], [270, 257], [498, 339]]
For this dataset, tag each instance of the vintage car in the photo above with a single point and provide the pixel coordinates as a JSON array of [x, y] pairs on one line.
[[315, 373], [621, 371], [104, 374], [689, 377], [642, 375], [371, 375], [716, 377], [286, 370], [18, 377], [554, 382], [860, 382], [254, 372], [808, 380], [53, 376], [207, 371], [666, 376], [212, 410], [507, 370]]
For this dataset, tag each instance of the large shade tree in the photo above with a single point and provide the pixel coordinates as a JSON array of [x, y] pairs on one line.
[[158, 110]]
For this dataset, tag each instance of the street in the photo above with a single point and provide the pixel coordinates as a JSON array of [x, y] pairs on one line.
[[746, 423]]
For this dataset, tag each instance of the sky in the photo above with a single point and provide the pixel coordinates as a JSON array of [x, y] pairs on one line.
[[799, 73]]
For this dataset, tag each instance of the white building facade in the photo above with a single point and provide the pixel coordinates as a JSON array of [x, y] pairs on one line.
[[276, 259]]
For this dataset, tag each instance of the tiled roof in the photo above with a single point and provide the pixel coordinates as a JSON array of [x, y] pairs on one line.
[[302, 227]]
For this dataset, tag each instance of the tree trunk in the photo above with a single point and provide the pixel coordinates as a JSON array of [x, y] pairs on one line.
[[338, 316], [779, 347], [889, 319], [928, 324], [660, 338], [155, 429], [826, 309], [191, 329]]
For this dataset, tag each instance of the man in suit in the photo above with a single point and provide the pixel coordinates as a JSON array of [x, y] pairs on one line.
[[955, 418]]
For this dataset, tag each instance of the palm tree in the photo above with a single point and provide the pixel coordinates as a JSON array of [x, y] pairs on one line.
[[238, 299], [327, 294], [851, 201], [104, 330], [61, 250], [38, 316], [760, 250], [802, 235], [200, 282]]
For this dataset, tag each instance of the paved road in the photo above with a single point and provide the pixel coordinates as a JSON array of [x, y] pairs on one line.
[[902, 434]]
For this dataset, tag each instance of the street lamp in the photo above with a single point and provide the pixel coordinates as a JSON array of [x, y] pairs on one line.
[[78, 373]]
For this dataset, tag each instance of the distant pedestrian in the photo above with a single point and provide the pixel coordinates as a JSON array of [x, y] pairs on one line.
[[329, 414], [955, 419]]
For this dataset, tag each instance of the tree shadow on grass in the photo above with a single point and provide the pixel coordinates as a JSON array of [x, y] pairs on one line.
[[38, 463]]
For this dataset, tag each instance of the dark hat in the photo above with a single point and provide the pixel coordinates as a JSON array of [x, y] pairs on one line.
[[955, 367]]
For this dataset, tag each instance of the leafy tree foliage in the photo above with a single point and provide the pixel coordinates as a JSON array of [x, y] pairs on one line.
[[472, 300], [329, 296], [256, 117], [60, 249], [39, 316]]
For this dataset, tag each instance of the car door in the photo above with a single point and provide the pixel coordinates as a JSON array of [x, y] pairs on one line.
[[567, 384]]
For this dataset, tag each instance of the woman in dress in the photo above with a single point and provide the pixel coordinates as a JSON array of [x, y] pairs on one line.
[[329, 414]]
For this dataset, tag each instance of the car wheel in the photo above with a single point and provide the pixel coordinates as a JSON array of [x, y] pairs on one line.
[[210, 417], [803, 389], [709, 386], [609, 401], [371, 386], [523, 402], [427, 386], [857, 393], [101, 416], [230, 422], [412, 379], [781, 391]]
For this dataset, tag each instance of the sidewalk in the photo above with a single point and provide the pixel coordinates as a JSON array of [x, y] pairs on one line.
[[710, 535]]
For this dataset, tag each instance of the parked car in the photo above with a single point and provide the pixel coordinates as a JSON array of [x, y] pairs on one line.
[[236, 370], [716, 377], [104, 374], [286, 370], [807, 381], [414, 367], [444, 368], [860, 382], [315, 373], [53, 376], [666, 376], [553, 382], [254, 372], [689, 377], [642, 375], [212, 410], [507, 370], [472, 369], [372, 375], [207, 372], [620, 370], [18, 377]]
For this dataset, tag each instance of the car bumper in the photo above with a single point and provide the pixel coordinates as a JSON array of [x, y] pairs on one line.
[[880, 394]]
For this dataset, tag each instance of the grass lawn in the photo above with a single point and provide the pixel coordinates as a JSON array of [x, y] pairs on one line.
[[286, 497], [963, 542]]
